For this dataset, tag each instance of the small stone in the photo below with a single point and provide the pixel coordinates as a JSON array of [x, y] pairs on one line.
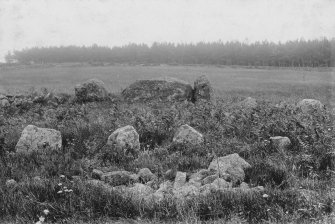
[[202, 89], [145, 175], [38, 139], [97, 174], [180, 180], [11, 183], [280, 143], [232, 164], [249, 103], [126, 138], [310, 105], [91, 90], [187, 134], [244, 186]]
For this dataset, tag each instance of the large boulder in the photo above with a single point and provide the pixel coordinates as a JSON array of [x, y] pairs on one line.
[[310, 105], [161, 90], [91, 90], [38, 139], [187, 134], [126, 138], [232, 164], [202, 89], [281, 144]]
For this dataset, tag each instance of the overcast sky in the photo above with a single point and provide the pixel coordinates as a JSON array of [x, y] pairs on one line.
[[28, 23]]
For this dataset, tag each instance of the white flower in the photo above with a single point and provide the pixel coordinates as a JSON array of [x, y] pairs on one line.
[[46, 211], [65, 187], [42, 219], [59, 192], [60, 184], [265, 196], [39, 222], [70, 190], [62, 176], [66, 190]]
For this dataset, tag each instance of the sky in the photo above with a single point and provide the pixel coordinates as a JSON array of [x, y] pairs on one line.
[[30, 23]]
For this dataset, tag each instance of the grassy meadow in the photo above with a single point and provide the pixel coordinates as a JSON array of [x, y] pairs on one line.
[[273, 84], [299, 184]]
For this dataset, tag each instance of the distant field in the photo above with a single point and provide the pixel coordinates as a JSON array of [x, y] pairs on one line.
[[269, 84]]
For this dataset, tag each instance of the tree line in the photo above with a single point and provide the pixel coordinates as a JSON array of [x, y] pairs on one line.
[[298, 53]]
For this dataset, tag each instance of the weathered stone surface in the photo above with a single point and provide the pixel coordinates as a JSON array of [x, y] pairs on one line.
[[280, 143], [145, 175], [161, 90], [97, 174], [187, 134], [180, 180], [117, 178], [231, 164], [202, 89], [249, 103], [91, 90], [125, 137], [310, 105], [38, 139]]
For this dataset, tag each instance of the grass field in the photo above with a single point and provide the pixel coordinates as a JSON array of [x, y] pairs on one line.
[[269, 84], [299, 185]]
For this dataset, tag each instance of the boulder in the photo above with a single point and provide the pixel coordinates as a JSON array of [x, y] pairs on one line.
[[90, 90], [117, 178], [202, 89], [232, 164], [310, 105], [187, 134], [249, 103], [281, 144], [38, 139], [145, 175], [160, 90], [126, 138], [180, 180]]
